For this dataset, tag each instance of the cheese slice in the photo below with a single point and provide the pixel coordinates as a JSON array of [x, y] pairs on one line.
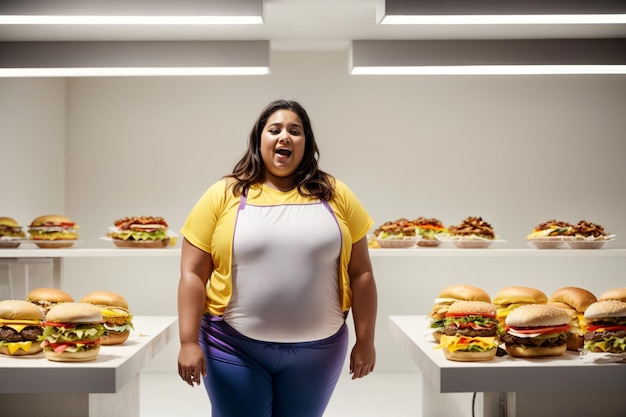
[[15, 346]]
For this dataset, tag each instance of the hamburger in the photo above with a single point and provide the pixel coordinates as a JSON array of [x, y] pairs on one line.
[[446, 297], [470, 332], [509, 298], [117, 319], [20, 328], [53, 231], [72, 332], [10, 233], [140, 232], [46, 298], [536, 330], [606, 327], [613, 294], [574, 301], [428, 228]]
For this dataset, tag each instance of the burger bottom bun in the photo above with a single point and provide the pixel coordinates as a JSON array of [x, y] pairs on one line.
[[7, 244], [437, 336], [115, 338], [534, 352], [82, 356], [34, 348], [53, 245], [466, 356], [575, 342], [428, 242], [162, 243]]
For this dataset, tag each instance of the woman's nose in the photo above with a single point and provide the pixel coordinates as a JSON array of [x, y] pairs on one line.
[[284, 138]]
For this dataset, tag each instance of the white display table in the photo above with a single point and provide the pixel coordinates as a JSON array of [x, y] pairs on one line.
[[106, 387], [513, 387]]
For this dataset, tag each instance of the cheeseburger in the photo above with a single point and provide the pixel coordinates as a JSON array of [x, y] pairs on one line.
[[606, 327], [470, 332], [509, 298], [10, 233], [140, 232], [574, 301], [72, 332], [53, 231], [46, 298], [20, 328], [448, 296], [613, 294], [535, 330], [117, 319]]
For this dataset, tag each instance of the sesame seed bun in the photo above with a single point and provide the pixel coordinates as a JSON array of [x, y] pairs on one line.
[[472, 308], [465, 292], [50, 218], [531, 315], [606, 308]]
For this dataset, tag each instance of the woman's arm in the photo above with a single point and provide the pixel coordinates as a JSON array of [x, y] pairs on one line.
[[196, 267], [364, 307]]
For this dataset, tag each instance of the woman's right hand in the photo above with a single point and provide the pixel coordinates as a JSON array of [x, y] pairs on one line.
[[191, 363]]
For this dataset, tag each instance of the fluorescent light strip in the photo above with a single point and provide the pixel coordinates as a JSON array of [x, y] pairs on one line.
[[131, 72], [491, 70], [503, 19], [130, 20]]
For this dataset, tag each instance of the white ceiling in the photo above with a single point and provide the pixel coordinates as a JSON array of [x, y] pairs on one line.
[[308, 25]]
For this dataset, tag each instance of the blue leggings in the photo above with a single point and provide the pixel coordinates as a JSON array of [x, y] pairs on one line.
[[252, 378]]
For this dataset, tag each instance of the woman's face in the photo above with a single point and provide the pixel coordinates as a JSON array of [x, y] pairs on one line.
[[282, 144]]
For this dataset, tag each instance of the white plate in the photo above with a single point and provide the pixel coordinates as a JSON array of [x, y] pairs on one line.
[[407, 242], [474, 242], [547, 242], [587, 244]]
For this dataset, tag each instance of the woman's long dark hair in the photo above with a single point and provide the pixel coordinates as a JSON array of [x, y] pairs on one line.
[[310, 180]]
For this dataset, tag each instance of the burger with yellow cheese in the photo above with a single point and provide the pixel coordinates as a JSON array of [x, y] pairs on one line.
[[140, 232], [53, 231], [117, 319], [509, 298], [470, 332], [444, 300], [20, 328]]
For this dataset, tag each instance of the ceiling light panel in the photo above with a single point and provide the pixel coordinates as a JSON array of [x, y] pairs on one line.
[[131, 12], [511, 56], [133, 58], [501, 12]]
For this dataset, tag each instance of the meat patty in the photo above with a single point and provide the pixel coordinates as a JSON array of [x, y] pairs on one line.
[[30, 333]]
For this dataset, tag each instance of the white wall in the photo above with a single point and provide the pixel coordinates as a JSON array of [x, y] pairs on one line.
[[516, 150]]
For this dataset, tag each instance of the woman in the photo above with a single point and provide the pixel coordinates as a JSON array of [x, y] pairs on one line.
[[274, 256]]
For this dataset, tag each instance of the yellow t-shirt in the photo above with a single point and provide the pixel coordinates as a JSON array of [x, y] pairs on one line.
[[211, 223]]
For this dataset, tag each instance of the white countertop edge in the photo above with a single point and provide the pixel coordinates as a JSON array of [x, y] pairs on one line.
[[502, 374], [20, 253], [109, 372]]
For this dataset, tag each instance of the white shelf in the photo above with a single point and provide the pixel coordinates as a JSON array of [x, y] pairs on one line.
[[528, 252], [434, 252], [88, 252]]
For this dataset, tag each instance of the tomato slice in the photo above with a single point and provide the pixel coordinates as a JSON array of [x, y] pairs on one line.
[[54, 324], [607, 328], [541, 329]]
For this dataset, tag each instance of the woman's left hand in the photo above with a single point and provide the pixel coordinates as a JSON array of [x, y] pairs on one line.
[[362, 359]]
